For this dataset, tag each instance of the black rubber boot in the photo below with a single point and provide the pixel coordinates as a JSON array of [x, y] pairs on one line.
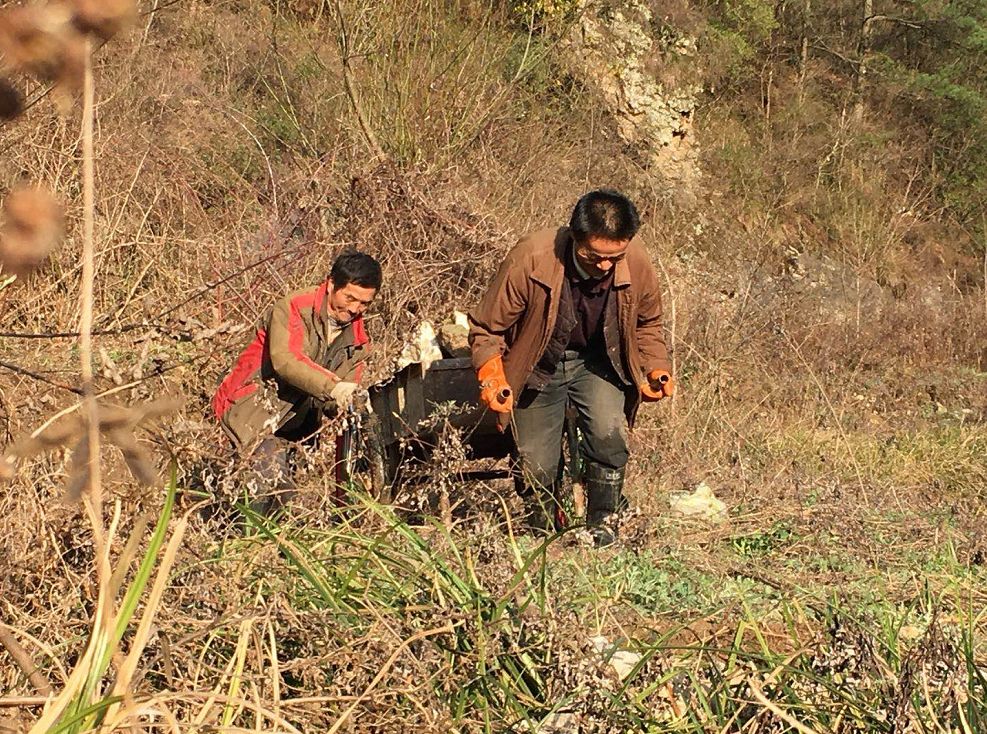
[[270, 481], [543, 514], [604, 487]]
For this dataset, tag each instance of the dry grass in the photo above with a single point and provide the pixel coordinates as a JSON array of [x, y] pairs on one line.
[[840, 417]]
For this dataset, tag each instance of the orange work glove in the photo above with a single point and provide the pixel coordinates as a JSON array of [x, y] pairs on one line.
[[495, 390], [659, 385]]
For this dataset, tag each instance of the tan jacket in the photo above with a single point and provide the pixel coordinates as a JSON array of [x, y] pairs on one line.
[[516, 316], [290, 367]]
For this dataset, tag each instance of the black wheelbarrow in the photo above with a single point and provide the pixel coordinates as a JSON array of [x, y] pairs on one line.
[[403, 429]]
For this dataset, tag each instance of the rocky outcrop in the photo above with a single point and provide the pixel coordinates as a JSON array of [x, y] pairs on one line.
[[613, 46]]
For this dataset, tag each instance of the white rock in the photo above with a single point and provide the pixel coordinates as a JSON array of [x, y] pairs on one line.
[[423, 347], [622, 661], [613, 47]]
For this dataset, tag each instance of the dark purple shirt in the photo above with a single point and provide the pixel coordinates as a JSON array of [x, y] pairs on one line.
[[580, 325], [589, 302]]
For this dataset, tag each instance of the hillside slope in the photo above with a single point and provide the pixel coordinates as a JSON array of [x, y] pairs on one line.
[[816, 211]]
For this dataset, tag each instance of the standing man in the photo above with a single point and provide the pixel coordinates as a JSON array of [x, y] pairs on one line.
[[573, 317], [306, 359]]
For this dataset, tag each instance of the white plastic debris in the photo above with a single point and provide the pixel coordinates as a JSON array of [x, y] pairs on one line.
[[701, 503], [422, 348]]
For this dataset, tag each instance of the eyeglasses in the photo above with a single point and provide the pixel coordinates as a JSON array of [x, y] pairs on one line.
[[596, 258]]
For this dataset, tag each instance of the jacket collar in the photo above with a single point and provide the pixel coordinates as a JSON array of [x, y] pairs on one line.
[[548, 271], [360, 336], [322, 307]]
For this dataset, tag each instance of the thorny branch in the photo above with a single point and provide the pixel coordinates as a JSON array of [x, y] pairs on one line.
[[153, 321]]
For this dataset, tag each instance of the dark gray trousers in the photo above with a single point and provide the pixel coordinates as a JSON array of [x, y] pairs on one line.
[[271, 464], [591, 386]]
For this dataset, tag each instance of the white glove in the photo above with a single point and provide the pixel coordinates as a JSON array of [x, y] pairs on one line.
[[345, 393]]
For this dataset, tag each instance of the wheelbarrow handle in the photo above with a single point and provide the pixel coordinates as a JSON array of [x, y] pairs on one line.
[[659, 382]]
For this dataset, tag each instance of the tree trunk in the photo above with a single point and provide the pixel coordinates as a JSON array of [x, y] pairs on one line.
[[804, 52], [863, 52]]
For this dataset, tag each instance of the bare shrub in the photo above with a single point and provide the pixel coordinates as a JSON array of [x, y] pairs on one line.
[[434, 254]]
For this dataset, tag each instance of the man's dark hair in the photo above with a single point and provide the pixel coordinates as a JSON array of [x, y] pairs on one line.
[[604, 213], [357, 268]]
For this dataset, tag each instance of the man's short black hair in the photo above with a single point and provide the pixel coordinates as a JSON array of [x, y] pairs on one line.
[[604, 213], [357, 268]]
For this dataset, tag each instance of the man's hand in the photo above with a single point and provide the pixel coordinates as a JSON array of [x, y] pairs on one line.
[[495, 390], [347, 393], [659, 385]]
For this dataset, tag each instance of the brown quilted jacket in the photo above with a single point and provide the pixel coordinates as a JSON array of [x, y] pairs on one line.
[[516, 316]]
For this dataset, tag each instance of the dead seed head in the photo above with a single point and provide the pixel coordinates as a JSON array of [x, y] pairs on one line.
[[116, 425], [72, 70], [42, 42], [11, 101], [24, 40], [8, 468], [103, 18], [31, 227]]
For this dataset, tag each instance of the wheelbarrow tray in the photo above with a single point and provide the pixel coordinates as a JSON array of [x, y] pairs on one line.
[[406, 405]]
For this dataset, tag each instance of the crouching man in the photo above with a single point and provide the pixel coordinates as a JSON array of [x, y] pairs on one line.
[[306, 360], [573, 318]]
